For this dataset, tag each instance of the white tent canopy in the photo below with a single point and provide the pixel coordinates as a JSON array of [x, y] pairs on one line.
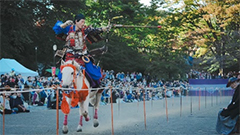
[[6, 66]]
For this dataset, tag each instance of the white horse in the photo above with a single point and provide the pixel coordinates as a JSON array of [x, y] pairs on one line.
[[73, 76]]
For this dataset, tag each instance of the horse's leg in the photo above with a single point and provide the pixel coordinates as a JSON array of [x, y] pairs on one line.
[[96, 107], [65, 127], [83, 106], [79, 128]]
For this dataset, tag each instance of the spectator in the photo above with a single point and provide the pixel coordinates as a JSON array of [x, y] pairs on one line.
[[52, 100], [16, 103], [3, 80], [20, 81], [12, 73], [28, 84], [238, 76], [7, 107], [37, 100], [228, 117], [12, 81]]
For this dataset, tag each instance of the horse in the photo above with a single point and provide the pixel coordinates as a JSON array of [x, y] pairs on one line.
[[73, 76]]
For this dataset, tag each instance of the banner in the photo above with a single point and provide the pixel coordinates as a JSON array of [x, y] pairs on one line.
[[209, 87], [53, 71]]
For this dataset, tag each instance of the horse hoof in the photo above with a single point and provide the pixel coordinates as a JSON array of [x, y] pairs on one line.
[[79, 128], [65, 130], [95, 123]]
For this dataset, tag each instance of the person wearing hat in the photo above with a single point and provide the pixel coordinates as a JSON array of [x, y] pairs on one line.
[[75, 33], [228, 118], [12, 73], [238, 76]]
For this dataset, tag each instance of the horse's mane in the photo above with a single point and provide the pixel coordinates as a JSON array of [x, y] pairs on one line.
[[70, 63]]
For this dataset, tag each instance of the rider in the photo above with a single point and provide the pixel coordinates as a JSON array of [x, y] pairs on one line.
[[75, 33]]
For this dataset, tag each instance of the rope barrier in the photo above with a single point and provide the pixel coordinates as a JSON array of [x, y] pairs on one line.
[[50, 88], [19, 90]]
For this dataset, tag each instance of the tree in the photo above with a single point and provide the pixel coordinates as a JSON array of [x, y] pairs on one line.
[[210, 25]]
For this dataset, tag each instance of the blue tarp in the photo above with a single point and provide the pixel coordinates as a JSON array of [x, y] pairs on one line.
[[6, 66]]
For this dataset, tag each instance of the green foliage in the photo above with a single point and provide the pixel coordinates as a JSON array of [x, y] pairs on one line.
[[213, 26]]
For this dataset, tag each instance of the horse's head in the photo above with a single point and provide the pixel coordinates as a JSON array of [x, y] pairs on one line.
[[69, 70]]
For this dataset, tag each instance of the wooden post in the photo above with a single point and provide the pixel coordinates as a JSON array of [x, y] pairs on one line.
[[181, 103], [191, 106], [199, 99], [57, 108], [205, 97], [144, 109], [166, 103], [111, 110], [3, 113]]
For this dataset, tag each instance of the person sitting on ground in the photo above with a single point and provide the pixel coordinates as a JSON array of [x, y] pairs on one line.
[[7, 108], [37, 99], [16, 103], [52, 100], [228, 117]]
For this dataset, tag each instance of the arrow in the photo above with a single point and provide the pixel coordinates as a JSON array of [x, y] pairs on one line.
[[131, 26]]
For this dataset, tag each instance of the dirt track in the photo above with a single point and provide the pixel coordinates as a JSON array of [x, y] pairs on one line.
[[128, 119]]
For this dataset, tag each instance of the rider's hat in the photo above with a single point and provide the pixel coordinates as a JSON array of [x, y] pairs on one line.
[[79, 17]]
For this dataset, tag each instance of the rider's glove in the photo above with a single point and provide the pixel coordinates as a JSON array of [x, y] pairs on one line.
[[67, 23]]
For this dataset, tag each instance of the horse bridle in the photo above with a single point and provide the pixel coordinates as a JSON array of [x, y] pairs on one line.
[[74, 73]]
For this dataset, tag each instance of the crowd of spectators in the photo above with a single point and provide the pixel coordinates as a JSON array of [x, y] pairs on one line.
[[195, 74], [35, 91], [134, 86], [127, 87]]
